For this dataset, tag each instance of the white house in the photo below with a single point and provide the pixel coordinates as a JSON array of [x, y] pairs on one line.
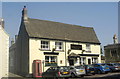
[[4, 51]]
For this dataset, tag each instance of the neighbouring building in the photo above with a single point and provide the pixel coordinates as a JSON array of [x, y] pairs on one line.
[[54, 44], [4, 50], [112, 51]]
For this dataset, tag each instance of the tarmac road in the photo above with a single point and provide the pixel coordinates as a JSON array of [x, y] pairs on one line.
[[113, 75]]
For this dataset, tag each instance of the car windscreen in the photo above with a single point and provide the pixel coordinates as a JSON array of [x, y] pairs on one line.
[[110, 64], [89, 66], [102, 64], [79, 67], [63, 68], [116, 64]]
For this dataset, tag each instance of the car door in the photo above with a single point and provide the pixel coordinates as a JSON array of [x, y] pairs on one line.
[[48, 72]]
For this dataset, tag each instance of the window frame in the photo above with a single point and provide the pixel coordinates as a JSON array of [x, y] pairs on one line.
[[50, 61], [58, 45], [88, 48], [45, 46]]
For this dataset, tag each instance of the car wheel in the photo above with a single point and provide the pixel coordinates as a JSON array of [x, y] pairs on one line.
[[111, 70], [93, 74], [99, 72], [72, 75], [55, 78], [82, 75], [60, 78], [44, 78]]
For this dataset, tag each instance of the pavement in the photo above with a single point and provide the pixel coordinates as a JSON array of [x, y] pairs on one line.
[[13, 76]]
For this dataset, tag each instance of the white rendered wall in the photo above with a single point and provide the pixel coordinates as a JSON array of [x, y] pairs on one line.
[[4, 53]]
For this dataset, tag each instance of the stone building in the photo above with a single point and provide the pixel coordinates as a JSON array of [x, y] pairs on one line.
[[112, 51], [54, 43]]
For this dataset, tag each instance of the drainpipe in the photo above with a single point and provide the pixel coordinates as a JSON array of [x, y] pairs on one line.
[[65, 55]]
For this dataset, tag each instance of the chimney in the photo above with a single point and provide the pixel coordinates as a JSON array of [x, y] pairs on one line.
[[12, 41], [16, 36], [1, 22], [115, 40], [24, 14]]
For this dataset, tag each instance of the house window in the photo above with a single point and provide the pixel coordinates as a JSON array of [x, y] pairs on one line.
[[50, 60], [76, 47], [88, 48], [83, 60], [45, 45], [94, 60], [58, 45]]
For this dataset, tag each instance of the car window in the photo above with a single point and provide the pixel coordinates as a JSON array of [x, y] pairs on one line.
[[90, 66], [79, 67], [71, 68], [96, 65], [109, 64], [116, 64], [102, 64], [49, 69], [63, 68]]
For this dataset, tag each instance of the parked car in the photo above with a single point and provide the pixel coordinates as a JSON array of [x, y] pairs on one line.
[[77, 71], [114, 66], [90, 69], [101, 68], [57, 72]]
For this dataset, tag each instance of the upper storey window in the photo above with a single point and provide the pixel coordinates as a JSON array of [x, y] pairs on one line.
[[59, 45], [45, 45], [88, 48]]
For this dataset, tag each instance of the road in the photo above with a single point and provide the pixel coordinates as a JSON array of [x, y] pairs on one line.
[[115, 75]]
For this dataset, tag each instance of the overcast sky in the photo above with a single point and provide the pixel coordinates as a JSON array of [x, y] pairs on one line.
[[102, 16]]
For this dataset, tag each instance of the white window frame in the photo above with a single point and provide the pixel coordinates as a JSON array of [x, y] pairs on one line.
[[51, 60], [94, 60], [59, 46], [88, 47], [83, 60], [45, 45]]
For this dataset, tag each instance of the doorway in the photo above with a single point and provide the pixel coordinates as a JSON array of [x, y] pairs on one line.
[[89, 61], [71, 62]]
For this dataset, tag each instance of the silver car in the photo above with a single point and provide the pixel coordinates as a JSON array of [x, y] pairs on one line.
[[114, 66], [77, 71]]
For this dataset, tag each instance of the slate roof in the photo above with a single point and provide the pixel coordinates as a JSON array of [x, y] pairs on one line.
[[60, 31]]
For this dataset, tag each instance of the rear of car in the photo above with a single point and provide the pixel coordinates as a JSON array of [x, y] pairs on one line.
[[101, 68], [57, 72], [116, 66], [90, 69], [63, 71], [77, 71], [112, 67]]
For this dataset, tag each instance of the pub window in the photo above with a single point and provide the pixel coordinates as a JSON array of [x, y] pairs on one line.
[[45, 45], [58, 45], [50, 60], [88, 47], [76, 47]]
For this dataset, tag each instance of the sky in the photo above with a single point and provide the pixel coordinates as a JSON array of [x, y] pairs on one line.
[[102, 16]]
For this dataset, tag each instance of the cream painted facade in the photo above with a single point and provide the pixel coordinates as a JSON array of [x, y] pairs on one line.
[[4, 53], [34, 43], [37, 54]]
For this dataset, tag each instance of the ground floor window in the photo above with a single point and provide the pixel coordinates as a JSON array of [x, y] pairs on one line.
[[94, 60], [50, 60], [82, 60]]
